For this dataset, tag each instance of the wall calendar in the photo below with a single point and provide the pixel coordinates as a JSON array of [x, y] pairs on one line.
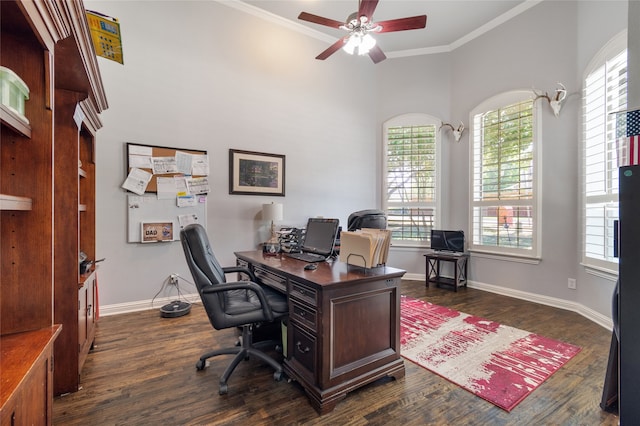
[[105, 34]]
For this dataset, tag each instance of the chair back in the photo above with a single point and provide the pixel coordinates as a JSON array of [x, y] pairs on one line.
[[375, 219], [204, 266], [205, 270]]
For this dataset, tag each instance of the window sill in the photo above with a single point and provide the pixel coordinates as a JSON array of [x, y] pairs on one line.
[[600, 272], [532, 260], [408, 247]]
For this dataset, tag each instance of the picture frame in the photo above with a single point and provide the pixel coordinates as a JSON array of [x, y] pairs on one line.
[[153, 232], [256, 173]]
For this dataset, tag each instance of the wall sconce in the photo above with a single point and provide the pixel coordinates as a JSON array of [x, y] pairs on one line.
[[457, 132], [555, 102]]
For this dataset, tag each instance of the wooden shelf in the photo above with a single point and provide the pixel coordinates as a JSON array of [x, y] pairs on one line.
[[12, 202], [14, 121]]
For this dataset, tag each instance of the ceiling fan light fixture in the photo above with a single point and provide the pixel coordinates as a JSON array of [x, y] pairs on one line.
[[352, 43], [366, 44], [359, 43]]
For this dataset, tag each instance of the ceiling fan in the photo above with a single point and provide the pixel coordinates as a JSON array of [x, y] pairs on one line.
[[359, 26]]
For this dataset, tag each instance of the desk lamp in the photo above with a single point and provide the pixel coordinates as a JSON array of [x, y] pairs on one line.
[[272, 212]]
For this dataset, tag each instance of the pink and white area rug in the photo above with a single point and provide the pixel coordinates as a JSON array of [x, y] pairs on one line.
[[500, 364]]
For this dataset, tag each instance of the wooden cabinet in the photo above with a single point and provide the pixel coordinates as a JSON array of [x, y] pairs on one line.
[[26, 364], [86, 317], [42, 199], [74, 232]]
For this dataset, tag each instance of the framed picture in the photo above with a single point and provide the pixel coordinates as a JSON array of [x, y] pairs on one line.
[[256, 173], [153, 232]]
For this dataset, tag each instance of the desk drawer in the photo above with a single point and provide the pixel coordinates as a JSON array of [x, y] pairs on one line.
[[302, 292], [270, 279], [303, 352], [304, 315]]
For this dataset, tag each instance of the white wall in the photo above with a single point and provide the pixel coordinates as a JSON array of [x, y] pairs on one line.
[[205, 76], [223, 79]]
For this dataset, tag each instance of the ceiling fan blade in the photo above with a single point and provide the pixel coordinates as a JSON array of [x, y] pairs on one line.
[[402, 24], [367, 7], [332, 49], [376, 54], [320, 20]]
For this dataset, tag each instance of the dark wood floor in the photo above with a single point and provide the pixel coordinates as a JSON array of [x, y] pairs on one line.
[[142, 371]]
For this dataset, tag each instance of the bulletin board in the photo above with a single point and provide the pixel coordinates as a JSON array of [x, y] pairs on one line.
[[156, 151], [155, 215]]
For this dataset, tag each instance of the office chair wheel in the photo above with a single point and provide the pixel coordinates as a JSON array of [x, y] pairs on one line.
[[277, 376], [200, 364], [223, 389]]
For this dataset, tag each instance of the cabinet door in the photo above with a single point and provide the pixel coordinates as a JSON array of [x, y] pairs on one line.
[[83, 294], [32, 404]]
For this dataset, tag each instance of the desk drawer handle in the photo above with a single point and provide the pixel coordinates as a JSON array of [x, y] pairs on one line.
[[302, 313], [299, 347]]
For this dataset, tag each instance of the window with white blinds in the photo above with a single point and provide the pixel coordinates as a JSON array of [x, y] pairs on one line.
[[410, 177], [504, 195], [605, 92]]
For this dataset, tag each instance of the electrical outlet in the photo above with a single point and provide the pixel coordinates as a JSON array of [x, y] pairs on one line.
[[571, 283], [173, 279]]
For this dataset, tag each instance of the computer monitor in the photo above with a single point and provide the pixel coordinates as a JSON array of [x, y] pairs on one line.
[[320, 236], [442, 240]]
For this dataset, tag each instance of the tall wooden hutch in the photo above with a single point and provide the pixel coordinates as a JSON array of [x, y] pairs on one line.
[[47, 205]]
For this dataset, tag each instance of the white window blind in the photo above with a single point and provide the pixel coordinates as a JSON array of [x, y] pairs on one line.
[[503, 180], [410, 177], [605, 91]]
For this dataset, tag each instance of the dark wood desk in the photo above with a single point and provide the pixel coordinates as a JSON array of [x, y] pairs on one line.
[[344, 323]]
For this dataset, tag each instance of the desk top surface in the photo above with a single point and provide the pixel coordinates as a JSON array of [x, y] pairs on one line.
[[447, 255], [327, 273]]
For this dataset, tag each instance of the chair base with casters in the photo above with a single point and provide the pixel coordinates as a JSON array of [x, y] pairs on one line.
[[245, 351], [240, 304]]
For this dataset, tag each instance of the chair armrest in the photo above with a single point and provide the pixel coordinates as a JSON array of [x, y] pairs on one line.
[[244, 270], [243, 285]]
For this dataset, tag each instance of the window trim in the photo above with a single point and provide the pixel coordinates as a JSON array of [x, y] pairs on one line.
[[611, 49], [413, 119], [494, 102]]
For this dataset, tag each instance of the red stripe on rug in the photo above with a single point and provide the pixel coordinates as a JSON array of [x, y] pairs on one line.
[[498, 363]]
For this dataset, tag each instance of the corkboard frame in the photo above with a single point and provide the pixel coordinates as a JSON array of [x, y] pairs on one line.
[[157, 151]]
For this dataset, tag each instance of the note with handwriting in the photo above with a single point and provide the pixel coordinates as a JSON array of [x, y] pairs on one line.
[[137, 181]]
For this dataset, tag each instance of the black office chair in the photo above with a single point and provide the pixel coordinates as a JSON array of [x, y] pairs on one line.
[[376, 219], [243, 304]]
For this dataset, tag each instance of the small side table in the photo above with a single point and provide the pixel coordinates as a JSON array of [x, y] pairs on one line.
[[459, 270]]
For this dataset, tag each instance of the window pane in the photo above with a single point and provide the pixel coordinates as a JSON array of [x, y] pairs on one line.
[[412, 224], [503, 226]]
